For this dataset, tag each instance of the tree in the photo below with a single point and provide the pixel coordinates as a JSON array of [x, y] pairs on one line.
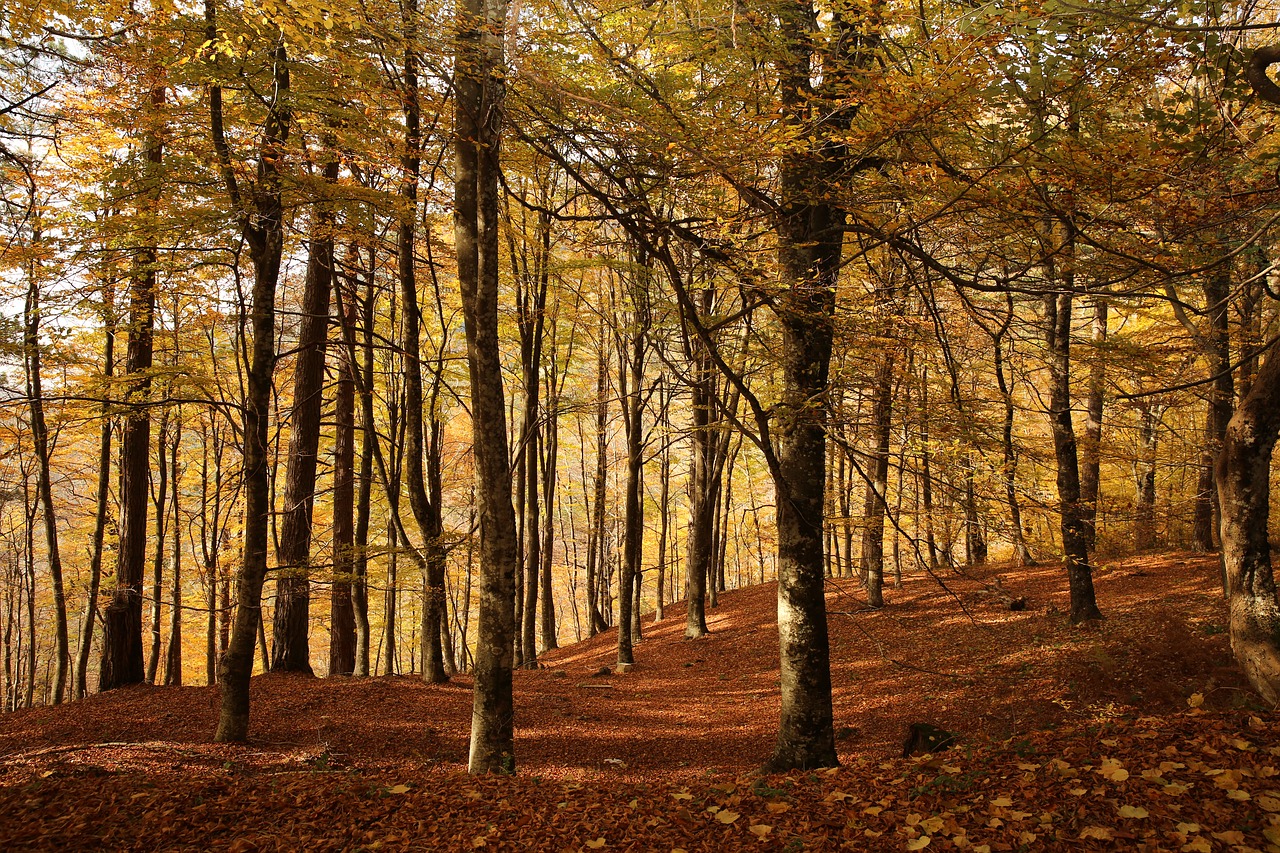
[[478, 111]]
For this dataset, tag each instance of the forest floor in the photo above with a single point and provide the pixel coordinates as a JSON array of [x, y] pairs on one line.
[[1135, 733]]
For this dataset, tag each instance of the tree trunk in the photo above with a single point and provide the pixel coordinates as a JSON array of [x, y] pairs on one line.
[[1145, 475], [479, 90], [1217, 292], [122, 662], [173, 655], [595, 537], [1091, 447], [1009, 469], [877, 484], [44, 488], [157, 560], [264, 234], [290, 650], [100, 515], [1074, 540], [342, 616], [1244, 493]]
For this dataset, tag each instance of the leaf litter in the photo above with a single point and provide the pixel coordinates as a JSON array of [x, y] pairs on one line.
[[1134, 734]]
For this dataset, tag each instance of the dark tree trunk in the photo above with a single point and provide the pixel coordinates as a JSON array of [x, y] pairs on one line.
[[1009, 469], [157, 560], [44, 487], [548, 615], [1074, 540], [595, 541], [479, 92], [342, 616], [173, 654], [264, 234], [368, 444], [1217, 291], [100, 515], [291, 650], [122, 662]]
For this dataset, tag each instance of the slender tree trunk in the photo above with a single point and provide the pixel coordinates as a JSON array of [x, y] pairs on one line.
[[1090, 448], [878, 483], [173, 655], [1021, 553], [548, 623], [595, 543], [1145, 475], [664, 505], [1084, 606], [368, 443], [157, 559], [479, 91], [44, 488], [1217, 291], [100, 515], [342, 615]]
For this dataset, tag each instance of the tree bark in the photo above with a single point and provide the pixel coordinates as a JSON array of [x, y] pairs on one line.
[[342, 615], [173, 654], [103, 507], [263, 232], [1091, 447], [1244, 493], [479, 92], [122, 662]]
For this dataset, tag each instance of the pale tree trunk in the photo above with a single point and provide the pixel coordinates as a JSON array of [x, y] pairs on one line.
[[263, 231], [664, 501], [479, 91], [1217, 292], [631, 362], [1009, 469], [595, 537], [1091, 447], [878, 483], [1150, 415], [1244, 494]]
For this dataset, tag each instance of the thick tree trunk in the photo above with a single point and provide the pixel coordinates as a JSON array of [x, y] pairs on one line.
[[291, 650], [479, 92], [264, 234], [122, 662], [1244, 493]]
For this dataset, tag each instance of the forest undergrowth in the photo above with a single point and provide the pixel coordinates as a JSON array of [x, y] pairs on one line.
[[1136, 733]]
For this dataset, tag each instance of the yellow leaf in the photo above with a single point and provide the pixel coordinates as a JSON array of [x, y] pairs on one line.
[[479, 841], [1272, 834], [1026, 766], [873, 810], [398, 789], [1136, 812], [932, 825], [595, 843], [682, 796], [759, 830], [1268, 804], [1174, 790], [1077, 792], [982, 848], [839, 795], [1199, 844], [1026, 837], [919, 843], [1002, 802], [776, 808], [1112, 771], [1241, 743], [1101, 833], [1188, 828], [1196, 700], [1238, 794], [1231, 836], [727, 816]]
